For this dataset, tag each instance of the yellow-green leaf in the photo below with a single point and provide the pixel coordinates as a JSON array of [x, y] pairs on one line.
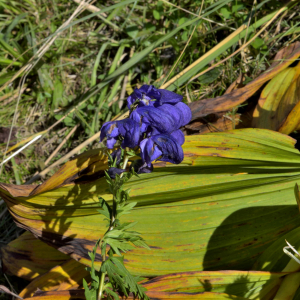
[[66, 276], [79, 294], [27, 257], [278, 107], [221, 208], [248, 284]]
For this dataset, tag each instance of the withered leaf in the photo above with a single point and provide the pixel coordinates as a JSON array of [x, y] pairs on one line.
[[284, 58]]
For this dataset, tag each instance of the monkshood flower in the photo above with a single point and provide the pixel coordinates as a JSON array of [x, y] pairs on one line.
[[113, 171], [148, 95], [178, 136], [180, 112], [154, 124], [144, 94], [156, 119], [162, 146], [116, 156], [127, 129], [166, 118], [141, 167]]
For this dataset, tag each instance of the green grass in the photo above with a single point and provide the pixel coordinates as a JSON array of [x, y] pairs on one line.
[[97, 60]]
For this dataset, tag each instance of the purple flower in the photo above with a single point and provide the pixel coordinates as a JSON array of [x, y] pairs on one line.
[[140, 167], [116, 156], [180, 112], [178, 136], [144, 94], [154, 120], [148, 92], [168, 97], [186, 113], [173, 112], [128, 129], [162, 147], [113, 171]]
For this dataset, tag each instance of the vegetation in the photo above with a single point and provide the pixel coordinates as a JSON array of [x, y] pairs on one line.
[[67, 67]]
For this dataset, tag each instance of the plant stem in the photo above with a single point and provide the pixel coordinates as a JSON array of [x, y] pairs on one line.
[[112, 220], [113, 217], [126, 158], [101, 285], [103, 274]]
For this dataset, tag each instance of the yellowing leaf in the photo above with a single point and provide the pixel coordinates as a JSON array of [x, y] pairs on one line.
[[66, 276], [58, 295], [231, 100], [230, 199], [23, 142], [248, 284], [90, 162], [27, 257], [278, 107], [79, 294]]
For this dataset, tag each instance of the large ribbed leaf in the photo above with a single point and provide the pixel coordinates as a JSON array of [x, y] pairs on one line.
[[66, 276], [204, 285], [36, 255], [79, 294], [278, 107], [248, 284], [220, 209], [28, 257], [69, 275]]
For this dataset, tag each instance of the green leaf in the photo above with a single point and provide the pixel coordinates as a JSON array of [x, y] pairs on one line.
[[132, 31], [89, 294], [182, 21], [184, 36], [13, 24], [126, 209], [141, 243], [238, 6], [69, 121], [57, 94], [210, 76], [106, 210], [112, 293], [118, 246], [5, 61], [258, 43], [10, 50], [229, 200], [225, 12], [156, 14]]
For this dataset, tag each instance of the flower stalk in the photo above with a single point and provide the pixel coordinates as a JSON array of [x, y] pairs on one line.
[[153, 126], [101, 287]]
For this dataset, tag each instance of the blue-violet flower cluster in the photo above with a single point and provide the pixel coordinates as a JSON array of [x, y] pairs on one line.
[[153, 124]]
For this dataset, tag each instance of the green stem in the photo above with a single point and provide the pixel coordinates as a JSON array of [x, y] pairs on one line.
[[101, 287], [113, 217], [126, 158]]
